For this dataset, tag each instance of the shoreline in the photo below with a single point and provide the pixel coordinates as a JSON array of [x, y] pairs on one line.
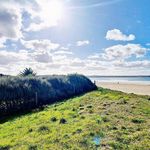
[[140, 89]]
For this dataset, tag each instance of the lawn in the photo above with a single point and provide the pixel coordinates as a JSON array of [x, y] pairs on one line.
[[102, 119]]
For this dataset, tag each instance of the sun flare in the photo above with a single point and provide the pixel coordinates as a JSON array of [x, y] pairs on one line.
[[53, 11], [56, 8]]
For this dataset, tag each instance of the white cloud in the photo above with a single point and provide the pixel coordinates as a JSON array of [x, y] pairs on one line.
[[43, 50], [2, 42], [63, 52], [97, 65], [94, 56], [64, 48], [9, 57], [76, 62], [12, 62], [49, 13], [11, 18], [117, 35], [120, 52], [10, 22], [83, 43], [124, 51], [41, 57], [40, 45], [114, 61], [37, 26], [133, 64]]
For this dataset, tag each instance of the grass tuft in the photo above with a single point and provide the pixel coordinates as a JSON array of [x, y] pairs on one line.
[[138, 120], [43, 128], [63, 121]]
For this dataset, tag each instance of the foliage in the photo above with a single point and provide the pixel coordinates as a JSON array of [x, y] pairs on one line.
[[27, 72], [20, 94], [111, 124]]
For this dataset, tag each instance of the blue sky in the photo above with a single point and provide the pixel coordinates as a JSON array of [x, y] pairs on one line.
[[96, 37]]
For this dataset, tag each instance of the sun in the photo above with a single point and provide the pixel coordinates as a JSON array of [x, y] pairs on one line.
[[52, 11], [56, 8]]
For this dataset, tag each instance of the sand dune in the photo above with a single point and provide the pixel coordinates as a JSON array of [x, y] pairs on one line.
[[126, 87]]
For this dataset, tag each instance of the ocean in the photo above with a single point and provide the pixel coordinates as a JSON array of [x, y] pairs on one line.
[[122, 79]]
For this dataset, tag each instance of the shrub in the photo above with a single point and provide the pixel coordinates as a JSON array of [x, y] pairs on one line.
[[19, 94], [28, 72]]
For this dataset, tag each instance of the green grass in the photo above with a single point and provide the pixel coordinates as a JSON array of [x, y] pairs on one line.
[[121, 121]]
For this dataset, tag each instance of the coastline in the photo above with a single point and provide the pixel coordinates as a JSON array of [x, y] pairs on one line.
[[140, 89]]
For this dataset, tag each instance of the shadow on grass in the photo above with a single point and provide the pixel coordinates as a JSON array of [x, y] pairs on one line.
[[15, 115]]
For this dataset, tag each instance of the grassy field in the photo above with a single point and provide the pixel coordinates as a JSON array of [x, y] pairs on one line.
[[102, 119]]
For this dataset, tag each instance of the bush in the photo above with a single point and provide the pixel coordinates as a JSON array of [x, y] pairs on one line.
[[27, 72], [19, 94]]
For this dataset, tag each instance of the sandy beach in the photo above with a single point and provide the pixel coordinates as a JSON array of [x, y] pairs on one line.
[[126, 87]]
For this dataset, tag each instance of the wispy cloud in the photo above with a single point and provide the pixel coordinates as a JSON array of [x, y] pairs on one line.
[[99, 4], [83, 43]]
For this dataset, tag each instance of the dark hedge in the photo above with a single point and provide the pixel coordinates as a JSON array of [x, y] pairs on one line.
[[19, 94]]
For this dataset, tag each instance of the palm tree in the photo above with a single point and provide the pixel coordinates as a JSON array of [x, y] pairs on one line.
[[28, 72]]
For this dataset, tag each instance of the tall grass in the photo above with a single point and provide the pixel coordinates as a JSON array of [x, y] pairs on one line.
[[19, 94]]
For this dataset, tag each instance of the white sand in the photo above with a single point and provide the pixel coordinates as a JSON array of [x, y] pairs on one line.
[[126, 87]]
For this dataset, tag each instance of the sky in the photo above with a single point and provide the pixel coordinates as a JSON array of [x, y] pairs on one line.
[[96, 37]]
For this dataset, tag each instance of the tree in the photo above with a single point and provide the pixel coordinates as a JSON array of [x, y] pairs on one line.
[[28, 72]]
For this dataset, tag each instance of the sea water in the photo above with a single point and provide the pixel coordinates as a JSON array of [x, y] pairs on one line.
[[122, 79]]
